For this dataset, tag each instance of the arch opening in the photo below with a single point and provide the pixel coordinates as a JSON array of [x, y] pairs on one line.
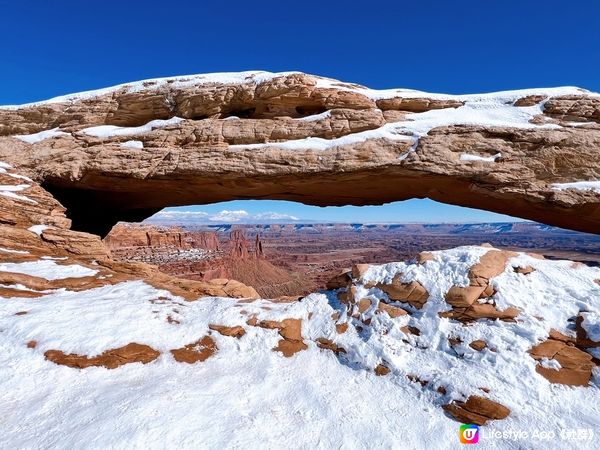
[[284, 248], [97, 202]]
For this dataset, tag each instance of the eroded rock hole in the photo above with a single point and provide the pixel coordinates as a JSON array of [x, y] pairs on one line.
[[246, 113], [310, 110]]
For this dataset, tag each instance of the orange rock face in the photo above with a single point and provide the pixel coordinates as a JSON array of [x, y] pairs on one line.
[[339, 281], [110, 359], [412, 293], [231, 144], [236, 331], [196, 352], [392, 311], [465, 300], [477, 410], [328, 344], [291, 332], [478, 345], [123, 237], [381, 370], [575, 365]]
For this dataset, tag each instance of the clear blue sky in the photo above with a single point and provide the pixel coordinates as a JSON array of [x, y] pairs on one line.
[[52, 48]]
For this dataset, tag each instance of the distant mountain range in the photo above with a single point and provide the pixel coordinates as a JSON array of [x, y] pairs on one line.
[[322, 227]]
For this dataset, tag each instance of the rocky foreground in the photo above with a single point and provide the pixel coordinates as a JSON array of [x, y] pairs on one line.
[[106, 354]]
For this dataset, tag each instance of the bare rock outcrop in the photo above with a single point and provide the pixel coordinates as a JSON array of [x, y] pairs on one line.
[[136, 148], [562, 362], [476, 409], [111, 359], [195, 352], [466, 300]]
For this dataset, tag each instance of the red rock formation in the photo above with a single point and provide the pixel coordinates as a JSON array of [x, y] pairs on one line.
[[111, 359], [238, 245], [477, 410], [176, 253], [127, 235], [205, 157]]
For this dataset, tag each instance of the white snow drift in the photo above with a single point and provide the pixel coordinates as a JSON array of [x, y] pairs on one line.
[[248, 396]]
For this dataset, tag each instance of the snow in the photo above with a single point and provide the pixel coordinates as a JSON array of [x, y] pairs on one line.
[[108, 131], [469, 157], [48, 269], [38, 229], [133, 144], [4, 166], [315, 117], [11, 188], [591, 325], [18, 177], [488, 110], [580, 185], [39, 137], [8, 250], [504, 96], [247, 396], [550, 364], [253, 76], [9, 191]]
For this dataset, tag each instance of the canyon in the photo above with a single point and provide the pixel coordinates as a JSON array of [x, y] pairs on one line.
[[299, 258], [202, 256]]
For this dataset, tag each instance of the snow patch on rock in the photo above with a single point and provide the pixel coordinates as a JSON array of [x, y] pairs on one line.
[[579, 185], [38, 229], [132, 144], [9, 191], [108, 131], [48, 269], [469, 157], [39, 137]]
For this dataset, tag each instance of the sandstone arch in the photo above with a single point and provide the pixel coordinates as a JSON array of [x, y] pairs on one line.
[[124, 153]]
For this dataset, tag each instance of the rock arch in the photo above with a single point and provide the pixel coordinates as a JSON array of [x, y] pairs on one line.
[[123, 153]]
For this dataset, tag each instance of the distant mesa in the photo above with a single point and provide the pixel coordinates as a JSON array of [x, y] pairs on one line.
[[200, 255]]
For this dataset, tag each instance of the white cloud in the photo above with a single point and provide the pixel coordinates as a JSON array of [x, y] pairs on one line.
[[180, 215], [225, 216], [274, 216], [230, 216]]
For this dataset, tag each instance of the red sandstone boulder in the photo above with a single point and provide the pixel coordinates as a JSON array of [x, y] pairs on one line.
[[477, 410], [413, 293], [110, 359]]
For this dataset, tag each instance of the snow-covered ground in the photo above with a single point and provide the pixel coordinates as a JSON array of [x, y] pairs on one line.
[[248, 396], [48, 269]]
